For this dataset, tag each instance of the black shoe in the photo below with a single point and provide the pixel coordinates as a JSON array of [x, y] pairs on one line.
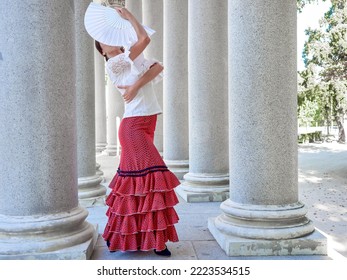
[[108, 245], [164, 252]]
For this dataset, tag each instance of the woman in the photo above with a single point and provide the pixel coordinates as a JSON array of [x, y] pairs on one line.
[[140, 214]]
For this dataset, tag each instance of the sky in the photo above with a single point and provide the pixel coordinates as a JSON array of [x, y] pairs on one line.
[[309, 17]]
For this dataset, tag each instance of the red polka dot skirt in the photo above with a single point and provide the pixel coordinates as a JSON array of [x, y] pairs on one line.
[[141, 214]]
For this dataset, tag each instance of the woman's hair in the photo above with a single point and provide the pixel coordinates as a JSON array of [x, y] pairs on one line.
[[98, 47]]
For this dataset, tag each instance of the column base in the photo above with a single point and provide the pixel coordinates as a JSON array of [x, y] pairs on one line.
[[204, 187], [192, 197], [100, 147], [90, 192], [178, 167], [56, 236], [111, 150], [82, 251], [99, 173], [312, 244]]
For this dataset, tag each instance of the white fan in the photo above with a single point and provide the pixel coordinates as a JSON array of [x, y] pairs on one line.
[[105, 25]]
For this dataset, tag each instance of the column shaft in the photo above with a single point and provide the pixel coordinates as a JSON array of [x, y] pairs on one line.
[[175, 102], [135, 7], [100, 102], [152, 15], [263, 215], [208, 176], [114, 112], [90, 190], [39, 213]]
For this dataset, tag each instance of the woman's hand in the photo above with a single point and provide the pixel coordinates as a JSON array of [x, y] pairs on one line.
[[124, 13], [130, 92]]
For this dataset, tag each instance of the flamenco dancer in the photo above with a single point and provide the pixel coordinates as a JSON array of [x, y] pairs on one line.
[[141, 214]]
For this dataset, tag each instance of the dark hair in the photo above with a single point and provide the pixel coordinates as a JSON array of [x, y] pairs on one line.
[[98, 47]]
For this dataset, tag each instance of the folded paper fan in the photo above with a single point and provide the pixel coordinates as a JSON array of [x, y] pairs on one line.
[[105, 25]]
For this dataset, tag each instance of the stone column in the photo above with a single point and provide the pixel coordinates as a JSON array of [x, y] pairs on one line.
[[39, 213], [152, 15], [114, 114], [175, 102], [208, 178], [100, 106], [90, 190], [100, 102], [135, 7], [263, 215]]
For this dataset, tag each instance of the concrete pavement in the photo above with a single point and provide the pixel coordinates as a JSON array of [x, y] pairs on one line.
[[322, 188]]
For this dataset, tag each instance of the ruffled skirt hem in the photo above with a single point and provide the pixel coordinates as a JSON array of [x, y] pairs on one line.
[[141, 214], [141, 241]]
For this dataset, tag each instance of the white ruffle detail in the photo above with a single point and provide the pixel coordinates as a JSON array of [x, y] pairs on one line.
[[122, 68], [144, 67]]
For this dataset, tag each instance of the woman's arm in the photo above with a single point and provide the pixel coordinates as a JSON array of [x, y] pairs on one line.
[[131, 91], [142, 37]]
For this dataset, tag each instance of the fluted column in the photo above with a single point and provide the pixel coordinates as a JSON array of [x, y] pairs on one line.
[[114, 114], [90, 190], [175, 102], [208, 178], [152, 15], [263, 215], [100, 102], [40, 217]]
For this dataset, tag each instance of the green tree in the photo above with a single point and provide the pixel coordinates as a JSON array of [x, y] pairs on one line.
[[323, 82]]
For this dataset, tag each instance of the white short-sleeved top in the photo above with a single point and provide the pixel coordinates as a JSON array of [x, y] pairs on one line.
[[123, 71]]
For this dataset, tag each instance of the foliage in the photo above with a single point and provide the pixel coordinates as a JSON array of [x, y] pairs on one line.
[[301, 3], [323, 84]]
